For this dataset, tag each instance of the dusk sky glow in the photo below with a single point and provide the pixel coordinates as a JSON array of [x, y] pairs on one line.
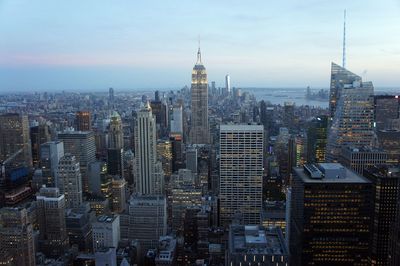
[[93, 44]]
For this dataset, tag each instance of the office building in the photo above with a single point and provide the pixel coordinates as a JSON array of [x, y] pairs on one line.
[[79, 228], [317, 137], [149, 176], [199, 131], [386, 111], [191, 159], [255, 245], [176, 121], [146, 220], [106, 232], [16, 237], [389, 140], [115, 162], [53, 238], [241, 170], [288, 115], [166, 251], [326, 226], [81, 144], [358, 159], [352, 111], [50, 155], [70, 181], [385, 184], [394, 238], [118, 191], [14, 139], [106, 257], [183, 197], [164, 152], [83, 121], [160, 111], [39, 134], [228, 84]]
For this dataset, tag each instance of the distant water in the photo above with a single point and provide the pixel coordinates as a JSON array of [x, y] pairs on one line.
[[297, 95]]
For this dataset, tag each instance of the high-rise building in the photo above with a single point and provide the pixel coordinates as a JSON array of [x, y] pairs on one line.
[[353, 110], [115, 162], [394, 239], [53, 238], [241, 170], [106, 232], [118, 190], [160, 111], [385, 184], [326, 226], [110, 97], [164, 152], [14, 138], [199, 132], [146, 220], [82, 120], [255, 245], [50, 155], [386, 111], [358, 159], [191, 159], [79, 228], [389, 140], [70, 181], [39, 133], [288, 115], [16, 237], [176, 121], [149, 176], [82, 145], [317, 137], [228, 84]]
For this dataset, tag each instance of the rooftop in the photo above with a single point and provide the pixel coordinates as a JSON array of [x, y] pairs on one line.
[[241, 127], [328, 173], [255, 239]]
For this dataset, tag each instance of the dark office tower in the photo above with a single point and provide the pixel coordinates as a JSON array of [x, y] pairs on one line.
[[288, 115], [160, 111], [40, 133], [340, 78], [81, 144], [177, 154], [385, 184], [241, 170], [317, 138], [157, 96], [14, 139], [387, 110], [352, 122], [78, 225], [357, 159], [389, 140], [115, 146], [199, 131], [53, 238], [82, 120], [394, 242], [16, 237], [330, 216]]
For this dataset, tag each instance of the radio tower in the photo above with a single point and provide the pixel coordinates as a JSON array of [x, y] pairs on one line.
[[344, 41]]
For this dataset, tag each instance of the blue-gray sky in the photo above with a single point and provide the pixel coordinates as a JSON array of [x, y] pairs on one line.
[[95, 44]]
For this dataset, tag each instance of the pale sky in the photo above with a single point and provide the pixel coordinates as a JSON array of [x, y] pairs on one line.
[[127, 44]]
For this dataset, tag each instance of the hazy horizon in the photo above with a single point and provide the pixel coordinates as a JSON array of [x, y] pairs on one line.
[[92, 45]]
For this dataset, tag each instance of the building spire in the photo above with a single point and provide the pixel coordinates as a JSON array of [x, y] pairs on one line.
[[198, 54], [344, 41]]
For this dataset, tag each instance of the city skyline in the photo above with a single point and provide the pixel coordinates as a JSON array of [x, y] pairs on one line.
[[81, 46]]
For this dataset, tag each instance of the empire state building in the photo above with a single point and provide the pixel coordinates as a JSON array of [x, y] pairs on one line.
[[199, 132]]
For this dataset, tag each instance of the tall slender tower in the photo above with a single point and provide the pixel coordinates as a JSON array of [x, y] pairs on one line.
[[70, 181], [148, 170], [115, 146], [199, 132]]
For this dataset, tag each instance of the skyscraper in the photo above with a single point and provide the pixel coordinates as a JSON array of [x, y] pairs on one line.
[[149, 177], [53, 238], [385, 184], [176, 121], [70, 180], [241, 170], [106, 232], [82, 120], [352, 111], [50, 155], [16, 236], [228, 84], [317, 138], [386, 111], [81, 144], [14, 138], [199, 132], [330, 216], [115, 146], [39, 133]]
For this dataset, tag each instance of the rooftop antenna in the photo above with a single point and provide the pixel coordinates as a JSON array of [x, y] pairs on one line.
[[199, 53], [344, 41]]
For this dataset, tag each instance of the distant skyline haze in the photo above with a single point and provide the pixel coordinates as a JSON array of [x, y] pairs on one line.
[[93, 45]]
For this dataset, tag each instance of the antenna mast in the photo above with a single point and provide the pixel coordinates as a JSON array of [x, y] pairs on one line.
[[344, 41]]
